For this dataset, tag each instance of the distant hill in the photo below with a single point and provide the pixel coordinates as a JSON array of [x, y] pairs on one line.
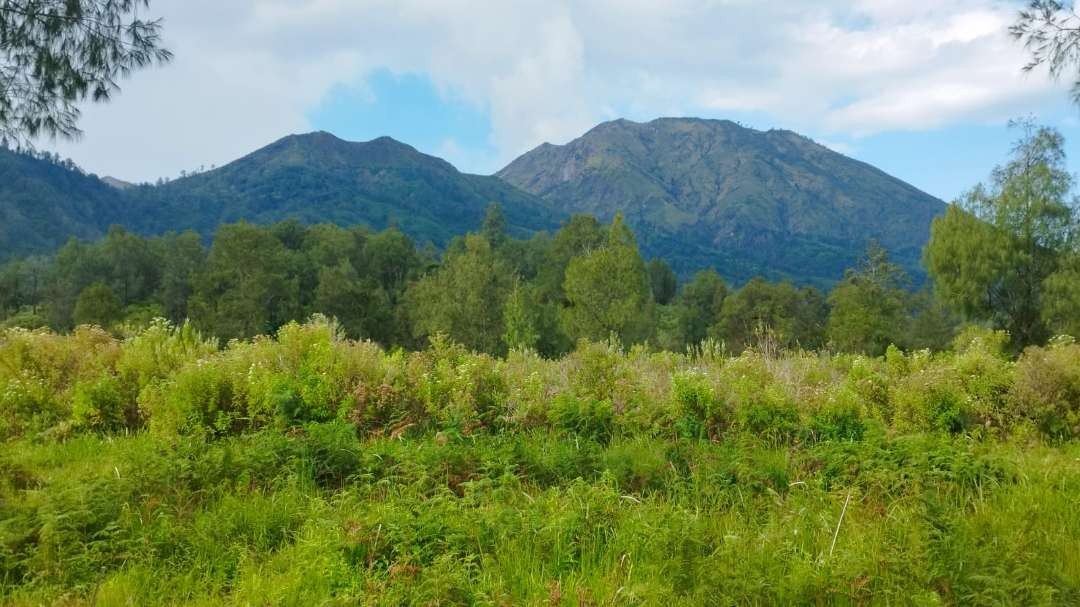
[[44, 202], [319, 178], [699, 193], [313, 178], [713, 193]]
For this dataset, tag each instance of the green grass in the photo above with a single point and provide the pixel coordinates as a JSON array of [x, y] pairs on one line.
[[333, 473]]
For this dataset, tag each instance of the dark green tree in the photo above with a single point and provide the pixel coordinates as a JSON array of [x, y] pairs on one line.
[[183, 257], [869, 309], [97, 304], [663, 281], [773, 313], [359, 304], [992, 253], [55, 54], [699, 305], [245, 289]]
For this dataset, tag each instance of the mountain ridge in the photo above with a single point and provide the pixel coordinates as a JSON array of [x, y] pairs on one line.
[[746, 201], [699, 192]]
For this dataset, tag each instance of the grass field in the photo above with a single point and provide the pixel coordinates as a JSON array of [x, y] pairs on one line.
[[308, 470]]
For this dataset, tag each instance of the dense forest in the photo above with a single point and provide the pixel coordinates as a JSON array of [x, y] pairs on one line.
[[488, 291]]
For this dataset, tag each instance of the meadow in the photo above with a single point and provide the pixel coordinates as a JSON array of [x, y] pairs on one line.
[[306, 468]]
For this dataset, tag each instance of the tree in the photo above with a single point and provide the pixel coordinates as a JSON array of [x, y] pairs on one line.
[[244, 289], [699, 306], [183, 256], [359, 304], [98, 305], [869, 308], [992, 253], [1051, 33], [663, 281], [57, 53], [494, 226], [464, 298], [607, 290], [779, 312]]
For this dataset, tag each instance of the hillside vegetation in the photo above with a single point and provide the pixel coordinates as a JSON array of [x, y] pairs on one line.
[[310, 469], [712, 193], [698, 193]]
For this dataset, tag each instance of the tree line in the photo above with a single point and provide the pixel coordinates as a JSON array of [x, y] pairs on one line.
[[1004, 256]]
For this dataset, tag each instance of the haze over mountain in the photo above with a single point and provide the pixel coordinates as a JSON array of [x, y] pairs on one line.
[[699, 193], [713, 193]]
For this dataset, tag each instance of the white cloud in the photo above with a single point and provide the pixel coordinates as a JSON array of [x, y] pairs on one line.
[[248, 71]]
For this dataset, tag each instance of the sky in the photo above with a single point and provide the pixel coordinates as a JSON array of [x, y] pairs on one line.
[[923, 89]]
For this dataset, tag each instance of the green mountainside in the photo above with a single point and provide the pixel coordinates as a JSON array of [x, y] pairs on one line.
[[314, 178], [713, 193], [43, 202], [319, 178], [698, 193]]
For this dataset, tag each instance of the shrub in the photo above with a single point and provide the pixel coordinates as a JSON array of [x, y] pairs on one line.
[[699, 410], [104, 405], [584, 416], [1047, 389]]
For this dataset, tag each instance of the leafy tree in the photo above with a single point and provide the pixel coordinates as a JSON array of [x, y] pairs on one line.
[[699, 306], [1051, 33], [663, 281], [869, 308], [98, 305], [992, 253], [464, 298], [183, 256], [578, 236], [494, 226], [76, 266], [778, 312], [134, 267], [57, 53], [244, 289], [391, 258], [607, 290], [359, 304]]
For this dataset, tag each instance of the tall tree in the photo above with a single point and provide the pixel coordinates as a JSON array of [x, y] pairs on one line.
[[663, 281], [776, 312], [57, 53], [608, 292], [464, 298], [992, 252], [699, 306], [244, 289], [870, 307]]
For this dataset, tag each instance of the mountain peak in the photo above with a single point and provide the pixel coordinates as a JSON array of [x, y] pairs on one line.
[[709, 192]]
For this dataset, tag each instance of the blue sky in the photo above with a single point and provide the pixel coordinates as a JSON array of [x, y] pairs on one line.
[[923, 89]]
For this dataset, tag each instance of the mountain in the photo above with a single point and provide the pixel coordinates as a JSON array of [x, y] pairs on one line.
[[314, 177], [713, 193], [319, 178], [44, 201]]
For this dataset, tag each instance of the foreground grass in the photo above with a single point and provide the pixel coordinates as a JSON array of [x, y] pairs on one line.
[[311, 470], [321, 517]]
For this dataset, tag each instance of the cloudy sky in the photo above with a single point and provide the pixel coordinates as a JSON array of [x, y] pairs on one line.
[[921, 88]]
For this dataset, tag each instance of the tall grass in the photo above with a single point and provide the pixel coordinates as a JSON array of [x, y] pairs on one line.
[[308, 469]]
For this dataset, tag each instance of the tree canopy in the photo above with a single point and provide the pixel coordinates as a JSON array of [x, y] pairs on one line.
[[55, 54]]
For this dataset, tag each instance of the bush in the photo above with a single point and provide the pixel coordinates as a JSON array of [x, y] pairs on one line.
[[699, 410], [104, 405], [1047, 389]]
